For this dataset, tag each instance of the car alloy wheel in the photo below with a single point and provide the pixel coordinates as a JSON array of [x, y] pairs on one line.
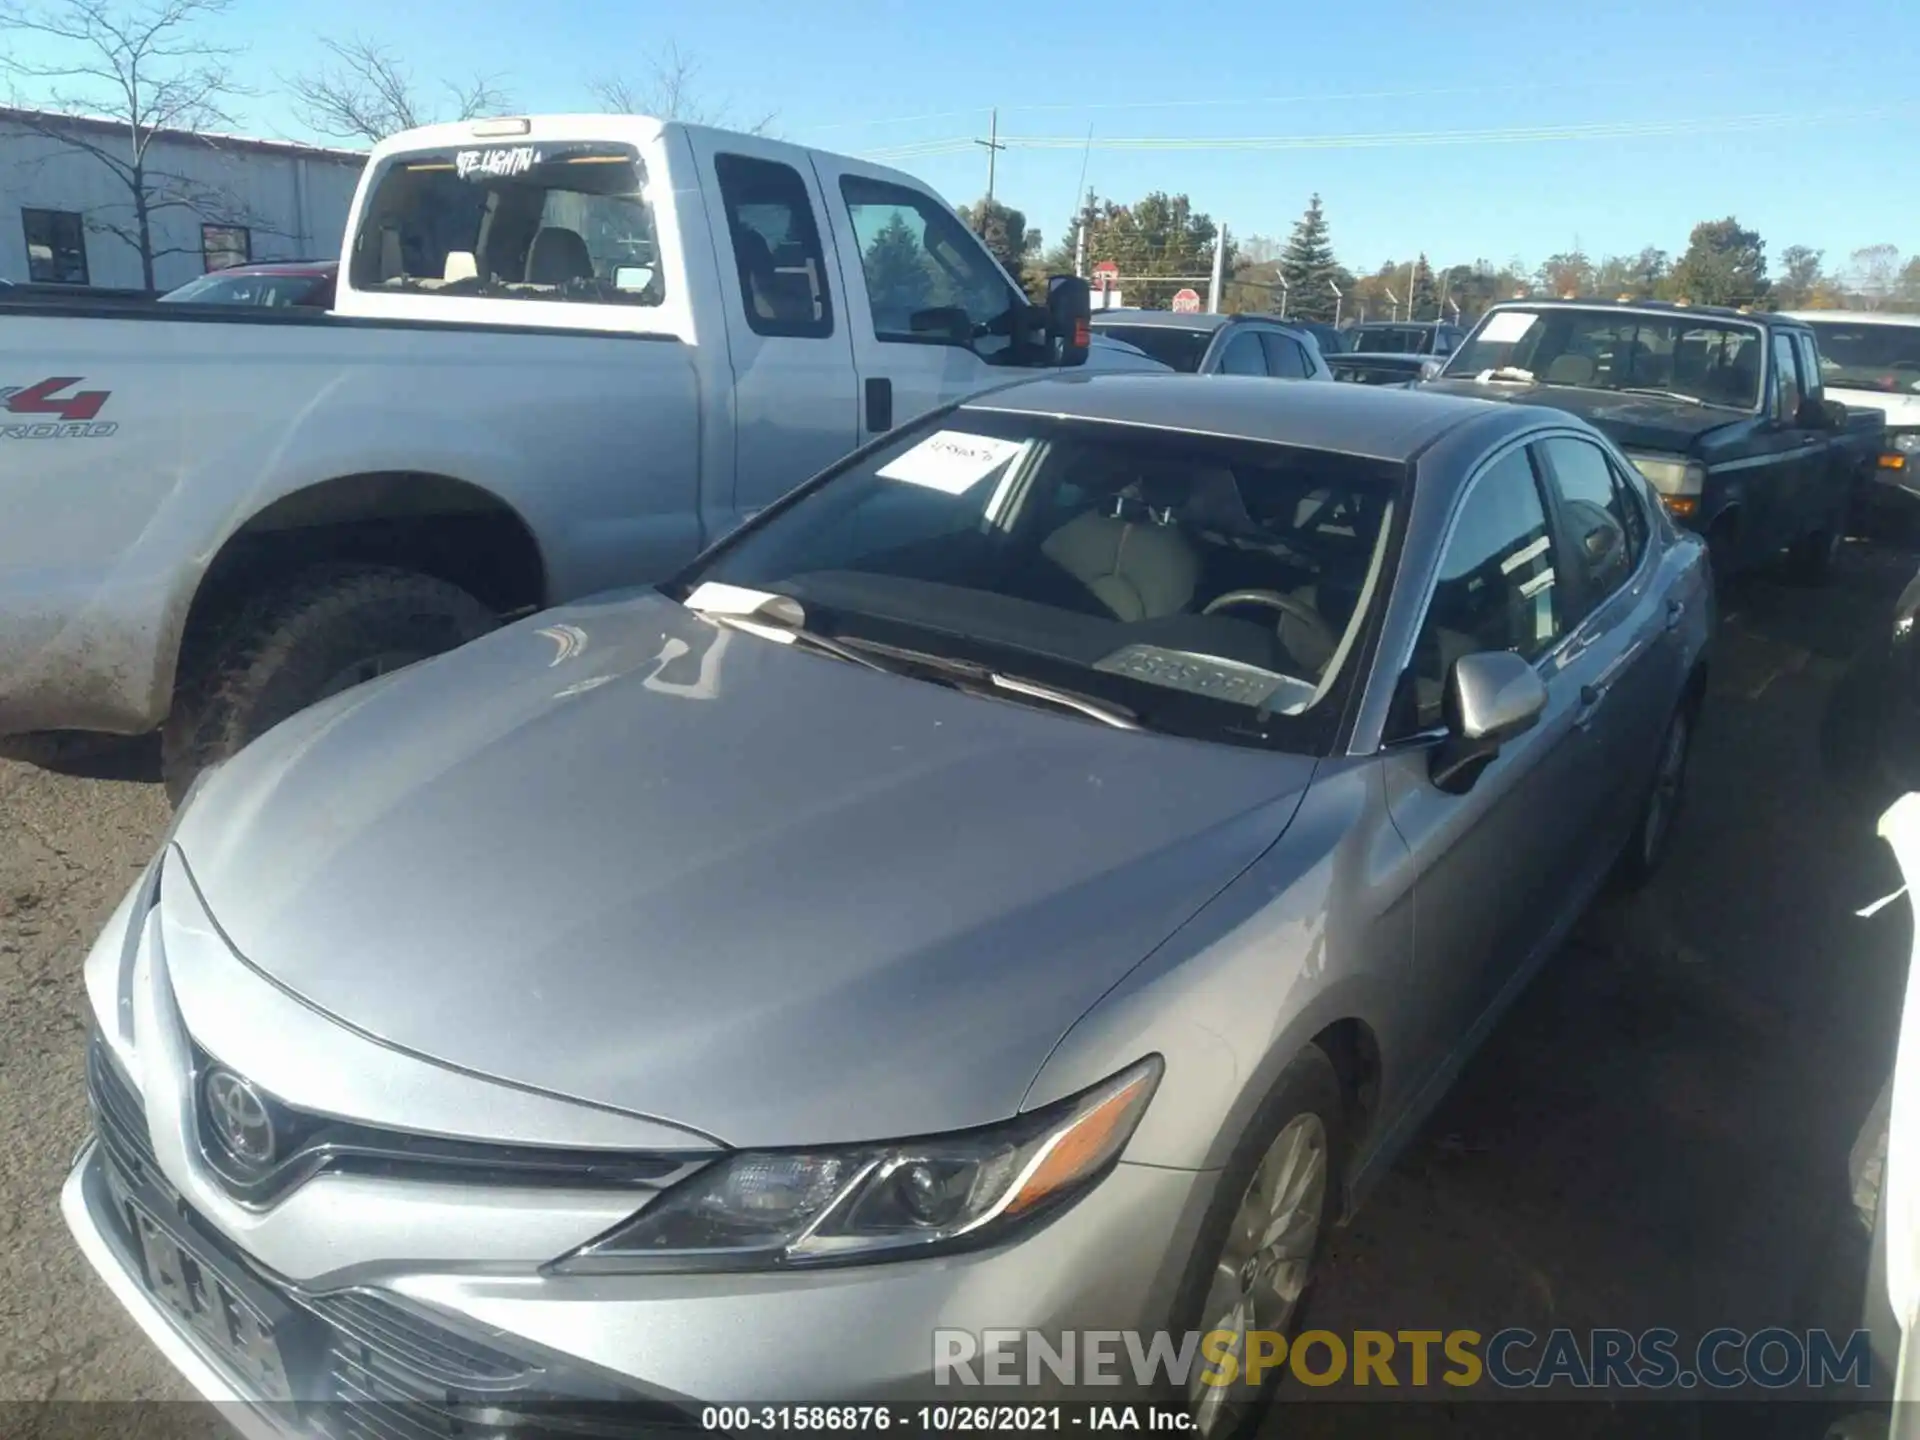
[[1267, 1259]]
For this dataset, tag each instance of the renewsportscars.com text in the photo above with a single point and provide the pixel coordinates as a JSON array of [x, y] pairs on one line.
[[1510, 1359]]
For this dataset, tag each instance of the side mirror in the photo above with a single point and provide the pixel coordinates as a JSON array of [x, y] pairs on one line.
[[1836, 414], [1069, 319], [1492, 696], [1813, 415], [949, 323]]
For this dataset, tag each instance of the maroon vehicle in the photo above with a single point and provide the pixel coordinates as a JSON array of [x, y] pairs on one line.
[[305, 283]]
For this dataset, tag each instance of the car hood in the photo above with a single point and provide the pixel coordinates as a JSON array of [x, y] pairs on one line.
[[1631, 421], [619, 853]]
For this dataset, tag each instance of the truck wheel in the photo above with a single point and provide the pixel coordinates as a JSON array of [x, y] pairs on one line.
[[1814, 557], [290, 646]]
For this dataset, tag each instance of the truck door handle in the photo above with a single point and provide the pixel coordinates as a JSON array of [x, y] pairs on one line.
[[879, 405]]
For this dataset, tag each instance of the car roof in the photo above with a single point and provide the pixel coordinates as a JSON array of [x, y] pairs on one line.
[[1362, 420], [1852, 317], [1399, 324], [1168, 319], [1653, 307], [281, 267]]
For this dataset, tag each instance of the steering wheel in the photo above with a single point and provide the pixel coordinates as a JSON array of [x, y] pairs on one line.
[[1285, 604]]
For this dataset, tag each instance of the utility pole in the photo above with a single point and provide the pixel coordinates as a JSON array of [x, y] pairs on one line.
[[1394, 313], [993, 145], [1336, 303], [1217, 282], [1080, 236]]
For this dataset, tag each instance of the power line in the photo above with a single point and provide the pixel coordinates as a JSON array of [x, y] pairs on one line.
[[1626, 129]]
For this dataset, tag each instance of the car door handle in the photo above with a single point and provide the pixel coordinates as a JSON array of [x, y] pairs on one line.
[[1676, 612], [1590, 697], [879, 404]]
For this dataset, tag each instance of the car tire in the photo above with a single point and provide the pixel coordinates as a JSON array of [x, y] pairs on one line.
[[1300, 1132], [290, 646], [1652, 833], [1814, 557]]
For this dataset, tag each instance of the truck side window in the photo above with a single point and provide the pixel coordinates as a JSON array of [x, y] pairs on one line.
[[1810, 377], [776, 247], [929, 282], [1787, 395]]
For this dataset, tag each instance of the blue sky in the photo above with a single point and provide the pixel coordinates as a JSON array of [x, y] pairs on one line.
[[1829, 165]]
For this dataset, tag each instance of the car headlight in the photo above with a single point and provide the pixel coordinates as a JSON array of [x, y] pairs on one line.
[[1671, 474], [764, 1209]]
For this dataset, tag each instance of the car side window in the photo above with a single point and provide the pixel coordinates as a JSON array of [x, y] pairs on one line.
[[1243, 356], [1632, 488], [1495, 589], [1595, 510], [1285, 358], [776, 247], [1787, 368], [929, 282]]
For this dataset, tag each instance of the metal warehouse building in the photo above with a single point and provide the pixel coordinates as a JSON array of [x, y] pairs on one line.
[[216, 200]]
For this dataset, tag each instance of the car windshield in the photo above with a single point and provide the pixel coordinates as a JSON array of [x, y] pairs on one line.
[[1711, 361], [263, 290], [1176, 348], [1868, 357], [565, 222], [1202, 586]]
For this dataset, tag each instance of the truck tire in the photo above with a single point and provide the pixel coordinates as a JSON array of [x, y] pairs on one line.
[[294, 644]]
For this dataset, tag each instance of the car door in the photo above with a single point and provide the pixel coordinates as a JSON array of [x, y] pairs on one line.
[[794, 391], [1623, 639], [922, 293], [1495, 866]]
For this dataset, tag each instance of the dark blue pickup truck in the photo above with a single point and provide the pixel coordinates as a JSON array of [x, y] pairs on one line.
[[1721, 410]]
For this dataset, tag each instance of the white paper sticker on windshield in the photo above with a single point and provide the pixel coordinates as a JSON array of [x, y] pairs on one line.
[[1506, 326], [951, 461]]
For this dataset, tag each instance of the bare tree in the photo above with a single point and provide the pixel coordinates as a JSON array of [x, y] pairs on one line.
[[139, 72], [1872, 271], [669, 91], [366, 93]]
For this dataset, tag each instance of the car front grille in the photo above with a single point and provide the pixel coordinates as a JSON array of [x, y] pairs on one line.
[[375, 1367]]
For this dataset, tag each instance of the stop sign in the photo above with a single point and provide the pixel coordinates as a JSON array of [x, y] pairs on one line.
[[1186, 302], [1106, 270]]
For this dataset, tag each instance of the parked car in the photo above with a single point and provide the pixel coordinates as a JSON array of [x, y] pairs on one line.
[[1403, 337], [565, 354], [1385, 369], [1870, 359], [272, 284], [1055, 782], [1724, 412], [1330, 340], [1206, 344]]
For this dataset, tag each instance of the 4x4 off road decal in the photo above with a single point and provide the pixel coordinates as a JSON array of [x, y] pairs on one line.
[[75, 413]]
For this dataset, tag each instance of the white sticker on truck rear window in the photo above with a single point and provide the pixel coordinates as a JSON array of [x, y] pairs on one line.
[[951, 461], [1507, 326]]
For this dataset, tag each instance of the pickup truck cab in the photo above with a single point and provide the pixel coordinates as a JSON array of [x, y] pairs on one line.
[[567, 353], [1208, 344], [1724, 412], [1870, 359]]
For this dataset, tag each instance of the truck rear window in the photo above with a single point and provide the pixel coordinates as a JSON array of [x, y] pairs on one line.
[[512, 222]]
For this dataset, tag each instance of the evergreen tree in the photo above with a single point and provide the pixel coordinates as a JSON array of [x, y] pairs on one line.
[[1307, 264], [1426, 300], [896, 269]]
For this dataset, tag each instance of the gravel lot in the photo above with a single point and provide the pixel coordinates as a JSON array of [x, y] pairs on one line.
[[1657, 1135]]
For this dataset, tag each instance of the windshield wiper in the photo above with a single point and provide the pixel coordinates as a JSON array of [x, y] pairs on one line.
[[803, 637], [968, 674], [1105, 711], [1511, 374], [1663, 394]]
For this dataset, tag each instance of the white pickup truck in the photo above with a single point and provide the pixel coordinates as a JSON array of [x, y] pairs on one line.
[[567, 352]]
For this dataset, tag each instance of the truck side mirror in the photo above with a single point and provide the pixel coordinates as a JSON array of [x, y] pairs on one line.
[[1814, 415], [1069, 319]]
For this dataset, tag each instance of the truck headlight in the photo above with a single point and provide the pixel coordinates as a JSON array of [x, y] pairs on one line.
[[782, 1208], [1677, 479], [1907, 442]]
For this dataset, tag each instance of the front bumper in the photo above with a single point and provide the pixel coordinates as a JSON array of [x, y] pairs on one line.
[[665, 1343]]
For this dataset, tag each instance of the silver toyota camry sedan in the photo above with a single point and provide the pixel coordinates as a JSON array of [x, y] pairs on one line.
[[1024, 883]]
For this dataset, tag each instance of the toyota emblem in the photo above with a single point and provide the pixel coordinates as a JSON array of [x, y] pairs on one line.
[[241, 1121]]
